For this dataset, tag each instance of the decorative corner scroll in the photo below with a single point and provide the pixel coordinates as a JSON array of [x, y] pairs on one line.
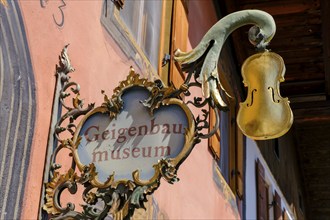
[[76, 108]]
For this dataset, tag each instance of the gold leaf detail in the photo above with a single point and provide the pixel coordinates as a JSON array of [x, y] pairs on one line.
[[51, 187]]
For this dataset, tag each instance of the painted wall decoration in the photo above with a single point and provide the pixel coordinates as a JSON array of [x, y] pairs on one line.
[[59, 17], [152, 211], [17, 109], [225, 190]]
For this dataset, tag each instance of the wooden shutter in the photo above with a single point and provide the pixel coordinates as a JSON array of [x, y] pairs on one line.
[[165, 41], [179, 38], [262, 192], [277, 207]]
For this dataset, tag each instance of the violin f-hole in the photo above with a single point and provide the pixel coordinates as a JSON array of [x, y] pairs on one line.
[[250, 104], [273, 95]]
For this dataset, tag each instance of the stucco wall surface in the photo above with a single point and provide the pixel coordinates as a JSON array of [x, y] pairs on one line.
[[100, 64]]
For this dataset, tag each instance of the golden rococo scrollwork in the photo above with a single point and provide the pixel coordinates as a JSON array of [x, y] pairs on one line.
[[112, 106], [119, 196]]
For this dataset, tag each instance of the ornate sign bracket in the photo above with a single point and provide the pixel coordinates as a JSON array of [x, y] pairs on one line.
[[108, 142], [115, 197]]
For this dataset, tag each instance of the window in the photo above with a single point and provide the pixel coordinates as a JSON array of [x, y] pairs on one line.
[[225, 144], [137, 27], [214, 141], [143, 19]]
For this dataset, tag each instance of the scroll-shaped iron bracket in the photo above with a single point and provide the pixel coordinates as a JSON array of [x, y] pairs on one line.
[[204, 57], [202, 62]]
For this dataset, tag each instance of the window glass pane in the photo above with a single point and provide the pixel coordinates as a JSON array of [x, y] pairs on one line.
[[143, 19], [130, 14], [224, 144], [153, 20]]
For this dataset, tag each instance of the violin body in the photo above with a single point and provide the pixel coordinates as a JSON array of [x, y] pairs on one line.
[[264, 114]]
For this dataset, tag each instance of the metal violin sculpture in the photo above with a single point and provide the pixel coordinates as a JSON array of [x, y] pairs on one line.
[[264, 114]]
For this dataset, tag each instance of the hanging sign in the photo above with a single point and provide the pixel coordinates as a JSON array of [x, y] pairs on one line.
[[129, 135], [122, 148], [134, 140]]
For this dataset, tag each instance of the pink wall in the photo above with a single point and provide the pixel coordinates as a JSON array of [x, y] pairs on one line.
[[100, 64], [196, 195], [94, 56]]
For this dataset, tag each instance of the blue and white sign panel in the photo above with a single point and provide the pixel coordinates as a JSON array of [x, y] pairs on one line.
[[134, 140]]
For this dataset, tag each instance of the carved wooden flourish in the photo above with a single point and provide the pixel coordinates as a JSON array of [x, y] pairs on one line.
[[60, 8]]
